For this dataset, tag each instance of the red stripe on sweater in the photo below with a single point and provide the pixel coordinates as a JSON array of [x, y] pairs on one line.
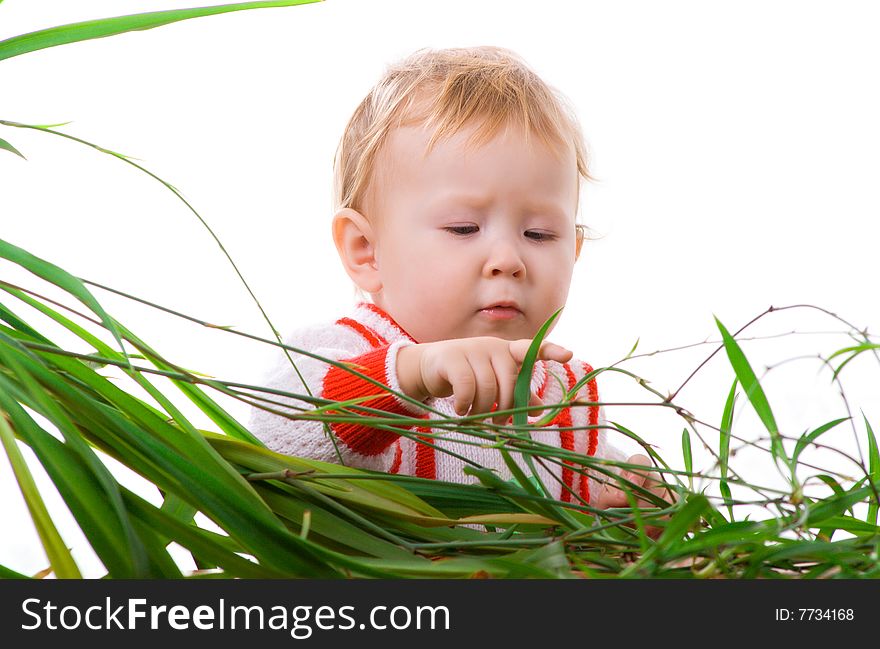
[[566, 438], [593, 420], [543, 387], [593, 392], [426, 465], [398, 457], [340, 385], [369, 335]]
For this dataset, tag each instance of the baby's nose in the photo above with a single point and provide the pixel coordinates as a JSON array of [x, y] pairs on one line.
[[505, 260]]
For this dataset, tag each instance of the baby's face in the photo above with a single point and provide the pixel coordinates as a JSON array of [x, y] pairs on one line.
[[466, 228]]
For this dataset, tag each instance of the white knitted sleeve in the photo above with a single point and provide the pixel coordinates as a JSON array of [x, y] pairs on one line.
[[301, 437]]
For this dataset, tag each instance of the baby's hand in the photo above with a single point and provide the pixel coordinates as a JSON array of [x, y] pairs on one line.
[[478, 371], [613, 496]]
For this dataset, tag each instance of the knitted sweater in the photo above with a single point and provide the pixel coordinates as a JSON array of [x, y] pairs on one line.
[[371, 338]]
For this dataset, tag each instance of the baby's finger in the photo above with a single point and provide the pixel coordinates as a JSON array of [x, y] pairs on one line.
[[486, 384], [548, 351], [612, 496], [506, 373], [553, 352], [642, 477], [460, 377]]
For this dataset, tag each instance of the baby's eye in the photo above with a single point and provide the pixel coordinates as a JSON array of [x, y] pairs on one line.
[[462, 229], [540, 236]]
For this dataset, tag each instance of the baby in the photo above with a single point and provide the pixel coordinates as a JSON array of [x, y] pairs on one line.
[[457, 182]]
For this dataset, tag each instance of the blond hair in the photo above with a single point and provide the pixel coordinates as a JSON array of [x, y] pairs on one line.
[[491, 86]]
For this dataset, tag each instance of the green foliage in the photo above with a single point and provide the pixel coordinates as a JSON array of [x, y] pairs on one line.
[[92, 29], [282, 516]]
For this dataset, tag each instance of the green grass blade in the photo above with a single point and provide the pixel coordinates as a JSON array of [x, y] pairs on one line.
[[649, 450], [724, 445], [753, 389], [856, 350], [200, 542], [835, 486], [688, 458], [8, 147], [211, 408], [522, 388], [542, 503], [28, 372], [633, 350], [79, 488], [214, 411], [62, 279], [741, 533], [387, 497], [7, 573], [852, 525], [333, 530], [101, 28], [18, 324], [682, 521], [808, 438], [821, 512], [179, 462], [521, 396], [873, 471], [457, 500], [59, 556]]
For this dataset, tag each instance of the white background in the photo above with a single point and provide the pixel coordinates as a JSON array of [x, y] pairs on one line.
[[735, 146]]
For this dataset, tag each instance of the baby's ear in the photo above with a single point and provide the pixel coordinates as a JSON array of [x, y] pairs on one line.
[[356, 244], [579, 240]]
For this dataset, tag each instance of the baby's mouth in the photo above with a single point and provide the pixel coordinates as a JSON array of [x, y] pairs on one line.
[[501, 312]]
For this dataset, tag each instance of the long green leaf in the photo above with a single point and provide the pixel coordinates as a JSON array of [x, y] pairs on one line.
[[724, 446], [7, 573], [835, 486], [101, 28], [226, 422], [386, 497], [754, 391], [26, 369], [819, 513], [334, 530], [8, 147], [688, 458], [522, 388], [211, 408], [808, 438], [62, 279], [855, 351], [81, 490], [184, 464], [59, 556], [873, 471], [682, 521], [198, 541], [521, 396]]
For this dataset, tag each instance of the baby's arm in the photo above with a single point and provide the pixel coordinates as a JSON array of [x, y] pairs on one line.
[[358, 445]]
